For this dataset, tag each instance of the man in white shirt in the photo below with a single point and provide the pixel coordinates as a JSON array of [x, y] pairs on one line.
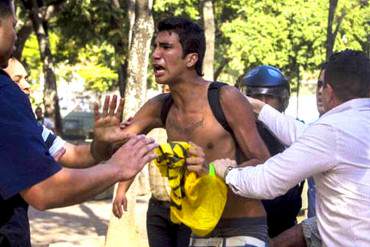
[[334, 150], [287, 129]]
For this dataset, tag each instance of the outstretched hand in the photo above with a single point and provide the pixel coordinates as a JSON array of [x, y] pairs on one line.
[[107, 124], [107, 130]]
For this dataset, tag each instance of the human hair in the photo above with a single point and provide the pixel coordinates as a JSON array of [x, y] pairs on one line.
[[6, 8], [348, 72], [191, 37]]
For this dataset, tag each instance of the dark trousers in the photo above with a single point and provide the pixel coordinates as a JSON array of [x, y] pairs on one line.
[[161, 231]]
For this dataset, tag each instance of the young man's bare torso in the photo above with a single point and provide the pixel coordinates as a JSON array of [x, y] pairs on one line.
[[190, 117]]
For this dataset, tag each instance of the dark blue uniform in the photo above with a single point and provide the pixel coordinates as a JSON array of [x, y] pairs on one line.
[[24, 161]]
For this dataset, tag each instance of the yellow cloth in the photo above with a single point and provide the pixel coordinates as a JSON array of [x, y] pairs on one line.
[[197, 202]]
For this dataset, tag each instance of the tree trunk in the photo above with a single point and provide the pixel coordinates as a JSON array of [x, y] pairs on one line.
[[125, 231], [330, 38], [26, 30], [209, 29], [22, 35], [51, 100], [138, 58]]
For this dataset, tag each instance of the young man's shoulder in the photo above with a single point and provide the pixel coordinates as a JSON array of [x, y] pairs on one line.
[[231, 96]]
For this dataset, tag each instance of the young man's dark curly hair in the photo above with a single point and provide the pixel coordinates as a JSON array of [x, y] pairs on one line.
[[191, 37]]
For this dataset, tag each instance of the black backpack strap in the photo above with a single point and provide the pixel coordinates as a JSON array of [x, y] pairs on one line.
[[166, 106], [214, 102]]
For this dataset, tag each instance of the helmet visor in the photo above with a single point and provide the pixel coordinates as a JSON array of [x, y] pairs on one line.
[[279, 92]]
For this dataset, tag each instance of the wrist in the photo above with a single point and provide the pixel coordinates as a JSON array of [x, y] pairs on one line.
[[100, 151], [227, 170]]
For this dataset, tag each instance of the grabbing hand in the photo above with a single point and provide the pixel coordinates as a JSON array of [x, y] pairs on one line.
[[196, 161], [133, 155], [223, 165], [257, 104]]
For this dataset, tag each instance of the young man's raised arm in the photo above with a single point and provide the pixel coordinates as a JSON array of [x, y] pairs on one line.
[[146, 119]]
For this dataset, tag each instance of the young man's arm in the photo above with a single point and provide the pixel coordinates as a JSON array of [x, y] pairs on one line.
[[108, 131], [240, 117], [71, 186], [146, 119], [79, 155]]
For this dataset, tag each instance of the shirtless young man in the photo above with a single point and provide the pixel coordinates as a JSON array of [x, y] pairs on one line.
[[177, 58]]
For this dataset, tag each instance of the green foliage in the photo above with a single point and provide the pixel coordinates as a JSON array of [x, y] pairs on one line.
[[186, 8], [289, 34]]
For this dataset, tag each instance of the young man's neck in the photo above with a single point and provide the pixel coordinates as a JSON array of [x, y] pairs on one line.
[[188, 92]]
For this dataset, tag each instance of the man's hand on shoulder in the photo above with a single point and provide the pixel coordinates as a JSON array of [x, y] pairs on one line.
[[257, 105]]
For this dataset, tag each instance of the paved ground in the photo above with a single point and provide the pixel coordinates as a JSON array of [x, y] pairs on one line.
[[84, 225]]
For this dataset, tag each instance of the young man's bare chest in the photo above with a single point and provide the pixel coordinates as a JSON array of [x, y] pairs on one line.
[[201, 128]]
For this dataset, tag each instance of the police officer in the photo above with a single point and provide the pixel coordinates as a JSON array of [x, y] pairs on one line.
[[269, 85]]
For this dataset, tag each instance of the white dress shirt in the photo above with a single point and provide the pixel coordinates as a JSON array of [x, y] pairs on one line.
[[335, 150]]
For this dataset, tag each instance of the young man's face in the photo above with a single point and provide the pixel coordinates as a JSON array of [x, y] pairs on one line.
[[7, 38], [167, 57]]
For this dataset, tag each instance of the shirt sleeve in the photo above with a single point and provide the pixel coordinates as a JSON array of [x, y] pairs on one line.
[[53, 142], [286, 128], [313, 153], [24, 158]]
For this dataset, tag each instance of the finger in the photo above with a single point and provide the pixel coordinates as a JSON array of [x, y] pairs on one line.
[[140, 143], [120, 211], [195, 161], [115, 211], [112, 106], [106, 105], [117, 207], [96, 111], [196, 151], [124, 204], [146, 149], [133, 140], [148, 157], [120, 108]]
